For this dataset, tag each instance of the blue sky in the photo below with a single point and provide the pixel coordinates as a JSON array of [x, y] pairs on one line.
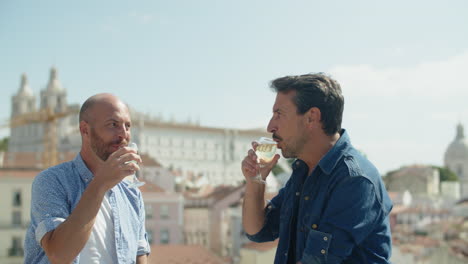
[[401, 64]]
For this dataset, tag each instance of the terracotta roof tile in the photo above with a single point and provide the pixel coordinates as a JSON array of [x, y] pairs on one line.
[[31, 159], [149, 161], [19, 173], [182, 254], [151, 187]]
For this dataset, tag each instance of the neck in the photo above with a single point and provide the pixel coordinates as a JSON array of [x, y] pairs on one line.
[[89, 158], [316, 148]]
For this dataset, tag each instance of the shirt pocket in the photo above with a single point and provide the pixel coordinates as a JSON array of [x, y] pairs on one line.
[[317, 245]]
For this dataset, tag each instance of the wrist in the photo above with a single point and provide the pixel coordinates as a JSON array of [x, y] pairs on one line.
[[97, 188]]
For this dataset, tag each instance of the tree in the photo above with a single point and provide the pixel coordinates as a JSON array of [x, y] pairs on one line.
[[277, 170], [4, 144], [446, 174]]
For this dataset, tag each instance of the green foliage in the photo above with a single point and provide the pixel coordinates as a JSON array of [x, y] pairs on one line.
[[446, 174], [4, 144], [388, 178], [278, 170]]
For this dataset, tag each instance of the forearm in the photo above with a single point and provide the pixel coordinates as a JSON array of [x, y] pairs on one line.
[[253, 207], [63, 244], [143, 259]]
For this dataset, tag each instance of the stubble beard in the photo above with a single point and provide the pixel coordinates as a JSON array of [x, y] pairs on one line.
[[98, 146], [292, 149]]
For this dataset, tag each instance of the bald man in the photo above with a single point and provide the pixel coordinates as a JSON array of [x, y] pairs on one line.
[[81, 210]]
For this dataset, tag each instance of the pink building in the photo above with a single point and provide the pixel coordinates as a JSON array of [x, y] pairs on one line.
[[164, 215], [164, 207]]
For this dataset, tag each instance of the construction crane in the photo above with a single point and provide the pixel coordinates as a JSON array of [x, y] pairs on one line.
[[49, 118]]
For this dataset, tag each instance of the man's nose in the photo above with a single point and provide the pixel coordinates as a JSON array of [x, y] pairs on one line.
[[123, 132], [271, 128]]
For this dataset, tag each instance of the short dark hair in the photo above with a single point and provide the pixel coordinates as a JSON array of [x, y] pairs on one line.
[[315, 90]]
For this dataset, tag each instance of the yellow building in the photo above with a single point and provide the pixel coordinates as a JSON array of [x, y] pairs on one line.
[[15, 204]]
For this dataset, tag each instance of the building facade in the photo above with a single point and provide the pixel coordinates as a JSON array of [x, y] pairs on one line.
[[15, 201], [189, 148], [456, 159]]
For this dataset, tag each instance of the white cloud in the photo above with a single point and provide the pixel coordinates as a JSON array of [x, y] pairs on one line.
[[429, 79], [403, 115]]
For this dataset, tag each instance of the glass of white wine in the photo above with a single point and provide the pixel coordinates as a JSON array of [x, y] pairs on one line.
[[266, 150], [134, 182]]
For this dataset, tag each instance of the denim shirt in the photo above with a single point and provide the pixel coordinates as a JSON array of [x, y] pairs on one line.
[[57, 191], [343, 211]]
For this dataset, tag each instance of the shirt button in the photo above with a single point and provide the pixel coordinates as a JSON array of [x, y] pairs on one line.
[[306, 198], [298, 193], [298, 163], [286, 254], [325, 238], [314, 226], [322, 251]]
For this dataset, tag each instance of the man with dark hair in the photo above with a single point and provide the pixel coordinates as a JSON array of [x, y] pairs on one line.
[[334, 208], [81, 210]]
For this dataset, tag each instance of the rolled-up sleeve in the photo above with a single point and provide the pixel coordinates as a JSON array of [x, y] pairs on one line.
[[351, 215], [143, 243], [270, 229], [49, 206]]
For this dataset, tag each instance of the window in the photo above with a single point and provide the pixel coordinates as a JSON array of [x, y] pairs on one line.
[[17, 198], [16, 249], [164, 211], [460, 171], [164, 236], [149, 211], [16, 218]]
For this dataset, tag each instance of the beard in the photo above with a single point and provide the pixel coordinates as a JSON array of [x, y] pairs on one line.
[[292, 149], [294, 146], [100, 147]]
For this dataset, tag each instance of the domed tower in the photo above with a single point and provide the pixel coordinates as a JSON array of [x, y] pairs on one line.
[[22, 137], [54, 95], [24, 101], [456, 159]]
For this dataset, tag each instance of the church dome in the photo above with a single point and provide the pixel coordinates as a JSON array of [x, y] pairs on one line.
[[24, 89], [54, 84], [458, 149]]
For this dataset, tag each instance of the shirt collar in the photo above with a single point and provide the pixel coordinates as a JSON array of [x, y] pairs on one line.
[[333, 156], [85, 174]]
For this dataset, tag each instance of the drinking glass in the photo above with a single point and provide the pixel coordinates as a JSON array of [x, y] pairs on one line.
[[266, 150], [134, 182]]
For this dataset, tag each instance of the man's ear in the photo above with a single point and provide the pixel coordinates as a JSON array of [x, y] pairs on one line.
[[313, 116], [84, 128]]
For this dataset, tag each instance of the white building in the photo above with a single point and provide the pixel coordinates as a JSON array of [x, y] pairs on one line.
[[191, 149], [31, 136], [15, 203], [456, 159]]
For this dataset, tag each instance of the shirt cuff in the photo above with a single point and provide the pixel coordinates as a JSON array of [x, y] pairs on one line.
[[143, 247], [46, 226]]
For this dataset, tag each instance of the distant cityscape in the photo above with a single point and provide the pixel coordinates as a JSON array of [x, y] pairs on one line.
[[194, 187]]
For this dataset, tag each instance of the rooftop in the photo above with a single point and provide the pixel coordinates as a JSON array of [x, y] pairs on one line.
[[182, 254]]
